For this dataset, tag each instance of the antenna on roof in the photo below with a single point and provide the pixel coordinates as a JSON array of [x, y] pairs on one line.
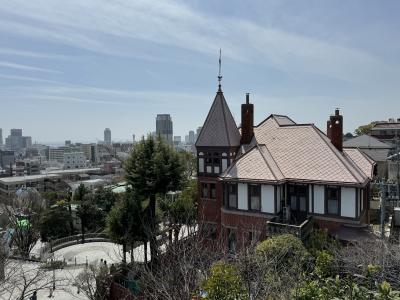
[[219, 74]]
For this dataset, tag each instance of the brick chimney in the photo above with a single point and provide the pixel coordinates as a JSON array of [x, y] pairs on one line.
[[328, 128], [247, 121], [335, 130]]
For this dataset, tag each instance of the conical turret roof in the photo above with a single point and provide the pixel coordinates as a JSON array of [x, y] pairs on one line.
[[219, 129]]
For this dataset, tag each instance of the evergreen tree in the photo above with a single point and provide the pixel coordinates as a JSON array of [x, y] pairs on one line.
[[54, 223], [152, 169]]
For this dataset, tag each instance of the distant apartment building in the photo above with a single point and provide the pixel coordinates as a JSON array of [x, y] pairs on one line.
[[1, 137], [31, 153], [386, 131], [133, 138], [26, 142], [7, 158], [57, 154], [27, 167], [90, 151], [107, 136], [74, 160], [164, 127], [42, 183]]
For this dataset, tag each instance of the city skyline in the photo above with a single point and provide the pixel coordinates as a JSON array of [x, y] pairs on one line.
[[71, 79]]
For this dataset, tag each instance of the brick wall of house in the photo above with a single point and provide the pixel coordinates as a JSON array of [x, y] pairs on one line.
[[243, 224]]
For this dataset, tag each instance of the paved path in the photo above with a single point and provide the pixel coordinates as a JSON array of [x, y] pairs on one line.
[[94, 252]]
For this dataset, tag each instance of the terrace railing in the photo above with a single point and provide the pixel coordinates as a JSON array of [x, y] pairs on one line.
[[302, 230], [58, 244]]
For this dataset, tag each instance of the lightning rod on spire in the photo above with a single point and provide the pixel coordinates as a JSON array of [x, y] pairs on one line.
[[219, 73]]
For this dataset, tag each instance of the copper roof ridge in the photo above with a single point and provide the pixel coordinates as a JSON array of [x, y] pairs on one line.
[[276, 164]]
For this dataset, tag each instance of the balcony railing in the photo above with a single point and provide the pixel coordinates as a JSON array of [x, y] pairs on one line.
[[302, 230]]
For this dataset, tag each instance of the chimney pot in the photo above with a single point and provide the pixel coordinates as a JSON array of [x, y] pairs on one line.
[[247, 98]]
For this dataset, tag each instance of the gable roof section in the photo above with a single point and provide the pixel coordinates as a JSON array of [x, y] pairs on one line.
[[219, 129], [300, 152], [365, 141], [362, 161], [256, 164], [377, 155]]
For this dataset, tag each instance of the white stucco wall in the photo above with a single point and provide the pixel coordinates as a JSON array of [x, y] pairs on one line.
[[267, 198], [242, 196], [348, 202], [319, 199]]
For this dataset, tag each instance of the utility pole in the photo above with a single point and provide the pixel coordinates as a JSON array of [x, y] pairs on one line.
[[398, 168], [382, 188]]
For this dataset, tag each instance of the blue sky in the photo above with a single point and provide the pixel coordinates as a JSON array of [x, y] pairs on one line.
[[68, 69]]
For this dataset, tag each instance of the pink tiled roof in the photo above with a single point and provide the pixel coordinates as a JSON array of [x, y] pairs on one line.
[[362, 161], [255, 164], [299, 151]]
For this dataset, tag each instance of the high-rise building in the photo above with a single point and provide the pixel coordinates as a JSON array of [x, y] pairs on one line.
[[107, 136], [1, 137], [164, 127], [14, 140], [26, 142], [191, 137], [133, 138], [198, 132]]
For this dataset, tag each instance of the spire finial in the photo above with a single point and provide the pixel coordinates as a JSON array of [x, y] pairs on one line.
[[219, 74]]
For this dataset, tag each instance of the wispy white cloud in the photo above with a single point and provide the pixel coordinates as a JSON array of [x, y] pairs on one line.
[[32, 54], [10, 65], [115, 27], [57, 92], [27, 78]]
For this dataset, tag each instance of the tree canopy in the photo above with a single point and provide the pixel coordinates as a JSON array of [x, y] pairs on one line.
[[54, 223], [153, 168], [364, 129], [224, 283]]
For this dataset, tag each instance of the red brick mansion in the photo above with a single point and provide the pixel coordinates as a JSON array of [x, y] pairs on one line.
[[255, 180]]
